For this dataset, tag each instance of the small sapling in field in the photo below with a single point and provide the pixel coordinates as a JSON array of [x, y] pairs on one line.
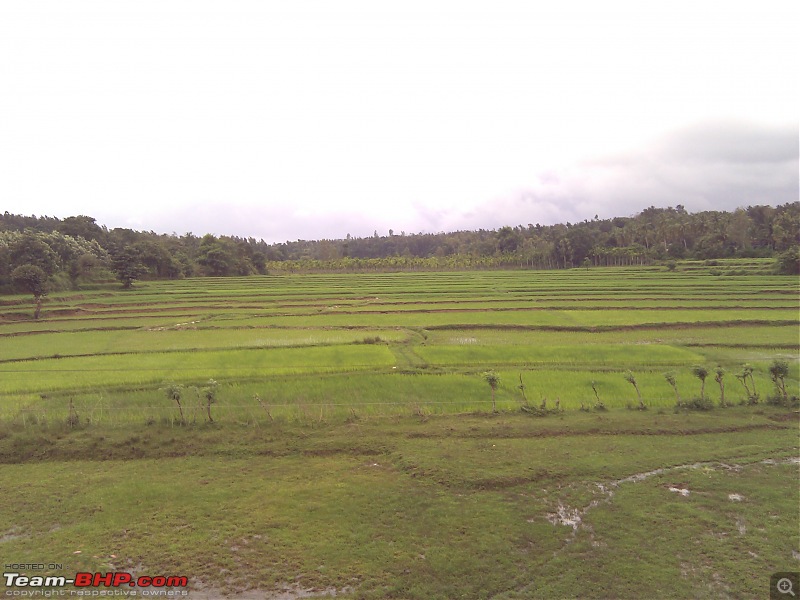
[[670, 377], [493, 379], [419, 410], [779, 371], [72, 419], [210, 395], [174, 392], [697, 402], [701, 373], [745, 375], [631, 378], [719, 374], [542, 410], [257, 398], [599, 405]]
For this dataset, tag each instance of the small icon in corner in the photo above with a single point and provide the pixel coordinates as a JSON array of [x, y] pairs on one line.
[[784, 585]]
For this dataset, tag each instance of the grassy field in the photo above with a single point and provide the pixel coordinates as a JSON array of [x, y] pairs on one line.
[[355, 446], [454, 506], [419, 342]]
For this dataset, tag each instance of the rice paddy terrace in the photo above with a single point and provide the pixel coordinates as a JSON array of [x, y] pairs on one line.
[[390, 343]]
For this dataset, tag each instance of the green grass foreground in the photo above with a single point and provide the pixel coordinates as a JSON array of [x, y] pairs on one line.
[[455, 506]]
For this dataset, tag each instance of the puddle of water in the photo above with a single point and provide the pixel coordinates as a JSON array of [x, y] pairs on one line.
[[565, 516], [573, 516]]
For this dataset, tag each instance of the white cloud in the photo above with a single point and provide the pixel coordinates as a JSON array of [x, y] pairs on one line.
[[315, 119]]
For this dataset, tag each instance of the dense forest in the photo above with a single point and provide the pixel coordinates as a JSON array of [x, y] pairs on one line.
[[41, 253]]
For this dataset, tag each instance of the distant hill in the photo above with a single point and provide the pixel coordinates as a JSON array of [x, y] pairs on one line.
[[76, 249]]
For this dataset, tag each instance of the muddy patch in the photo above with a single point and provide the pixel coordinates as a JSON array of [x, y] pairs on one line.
[[565, 516], [573, 517], [15, 533], [741, 526]]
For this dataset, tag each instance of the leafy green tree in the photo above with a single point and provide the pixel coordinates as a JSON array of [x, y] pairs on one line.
[[215, 258], [127, 266], [580, 240], [779, 371], [30, 249], [81, 226], [507, 240], [33, 280], [158, 260], [564, 251], [5, 261], [786, 228], [82, 268], [259, 261], [788, 263]]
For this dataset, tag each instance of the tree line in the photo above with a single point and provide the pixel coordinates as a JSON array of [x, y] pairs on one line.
[[65, 253]]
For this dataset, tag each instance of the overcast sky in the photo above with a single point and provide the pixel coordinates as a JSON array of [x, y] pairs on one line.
[[308, 119]]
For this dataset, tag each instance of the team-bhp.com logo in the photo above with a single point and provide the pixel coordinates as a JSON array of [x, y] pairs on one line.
[[95, 580]]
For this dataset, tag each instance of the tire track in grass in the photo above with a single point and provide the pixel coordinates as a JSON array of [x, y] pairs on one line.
[[404, 353]]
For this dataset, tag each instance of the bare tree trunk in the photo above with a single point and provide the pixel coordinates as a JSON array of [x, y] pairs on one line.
[[677, 395]]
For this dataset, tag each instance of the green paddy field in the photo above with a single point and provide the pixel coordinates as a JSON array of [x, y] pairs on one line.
[[354, 446], [390, 343]]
